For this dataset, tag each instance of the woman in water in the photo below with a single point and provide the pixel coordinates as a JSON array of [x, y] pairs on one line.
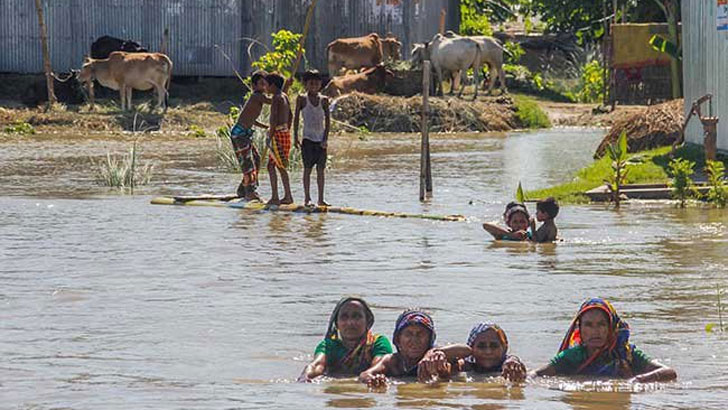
[[349, 346], [597, 344]]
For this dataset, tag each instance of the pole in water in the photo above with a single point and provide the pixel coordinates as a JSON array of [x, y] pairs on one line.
[[425, 169]]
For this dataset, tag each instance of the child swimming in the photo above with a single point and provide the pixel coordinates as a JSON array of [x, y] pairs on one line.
[[517, 220], [349, 346], [414, 336], [597, 344], [546, 211]]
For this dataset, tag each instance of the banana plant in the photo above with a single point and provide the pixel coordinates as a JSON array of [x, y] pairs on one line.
[[618, 154]]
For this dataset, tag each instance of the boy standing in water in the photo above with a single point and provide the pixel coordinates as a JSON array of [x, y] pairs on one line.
[[546, 211], [279, 139], [241, 136], [316, 123]]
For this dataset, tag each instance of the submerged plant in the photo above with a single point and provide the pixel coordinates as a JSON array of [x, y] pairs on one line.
[[711, 327], [125, 171], [618, 154], [682, 185], [718, 191]]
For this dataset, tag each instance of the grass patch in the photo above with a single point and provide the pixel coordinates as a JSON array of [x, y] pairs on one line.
[[19, 127], [644, 167], [529, 113], [125, 171]]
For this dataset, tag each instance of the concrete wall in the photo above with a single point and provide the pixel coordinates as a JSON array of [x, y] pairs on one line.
[[198, 26], [705, 66]]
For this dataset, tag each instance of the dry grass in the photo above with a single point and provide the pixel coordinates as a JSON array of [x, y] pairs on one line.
[[399, 114], [654, 126]]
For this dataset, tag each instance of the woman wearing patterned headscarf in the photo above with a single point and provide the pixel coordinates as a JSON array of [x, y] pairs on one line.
[[349, 346], [597, 344], [414, 336]]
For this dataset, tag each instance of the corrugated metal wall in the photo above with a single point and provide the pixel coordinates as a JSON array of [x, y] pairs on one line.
[[705, 66], [198, 26]]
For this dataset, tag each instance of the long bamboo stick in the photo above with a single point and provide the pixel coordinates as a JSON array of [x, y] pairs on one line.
[[299, 53]]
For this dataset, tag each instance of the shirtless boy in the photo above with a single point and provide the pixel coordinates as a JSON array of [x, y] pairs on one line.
[[279, 139], [241, 136]]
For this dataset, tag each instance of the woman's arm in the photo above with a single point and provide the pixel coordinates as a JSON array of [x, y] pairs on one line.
[[500, 233], [314, 369], [655, 372], [548, 370], [376, 374]]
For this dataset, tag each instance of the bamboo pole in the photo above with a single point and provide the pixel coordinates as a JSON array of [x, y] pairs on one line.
[[443, 12], [299, 53], [46, 54], [425, 169]]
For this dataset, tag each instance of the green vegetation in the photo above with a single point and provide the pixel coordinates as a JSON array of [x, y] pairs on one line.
[[513, 52], [682, 185], [473, 21], [196, 131], [712, 327], [645, 167], [591, 83], [19, 127], [718, 192], [617, 153], [529, 114], [283, 55], [125, 171]]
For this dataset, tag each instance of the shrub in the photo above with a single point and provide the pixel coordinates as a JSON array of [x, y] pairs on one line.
[[682, 186], [513, 52], [591, 85], [617, 153], [718, 191], [281, 59], [529, 114], [19, 127]]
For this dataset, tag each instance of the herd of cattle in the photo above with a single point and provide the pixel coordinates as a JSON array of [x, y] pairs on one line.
[[124, 65]]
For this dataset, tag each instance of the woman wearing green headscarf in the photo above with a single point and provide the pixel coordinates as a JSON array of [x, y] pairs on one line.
[[349, 346]]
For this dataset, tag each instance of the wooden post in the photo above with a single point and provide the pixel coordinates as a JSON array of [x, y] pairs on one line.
[[443, 12], [425, 168], [46, 54], [165, 41]]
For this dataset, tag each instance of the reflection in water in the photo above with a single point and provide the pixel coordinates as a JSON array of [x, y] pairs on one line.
[[111, 301]]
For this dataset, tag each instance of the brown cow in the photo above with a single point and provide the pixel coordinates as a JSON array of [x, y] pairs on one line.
[[354, 53], [391, 48], [369, 81], [128, 71]]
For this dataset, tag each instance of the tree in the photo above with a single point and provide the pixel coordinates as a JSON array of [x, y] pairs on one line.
[[671, 10]]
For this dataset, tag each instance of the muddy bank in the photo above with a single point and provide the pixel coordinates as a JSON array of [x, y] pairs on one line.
[[650, 127], [447, 114]]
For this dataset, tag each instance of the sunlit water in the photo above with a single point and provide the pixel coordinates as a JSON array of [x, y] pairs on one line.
[[110, 302]]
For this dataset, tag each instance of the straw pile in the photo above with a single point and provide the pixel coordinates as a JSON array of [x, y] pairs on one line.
[[655, 126], [400, 114]]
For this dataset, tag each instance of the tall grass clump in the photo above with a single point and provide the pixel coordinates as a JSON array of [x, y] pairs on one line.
[[718, 191], [682, 185], [529, 114], [617, 153], [125, 171]]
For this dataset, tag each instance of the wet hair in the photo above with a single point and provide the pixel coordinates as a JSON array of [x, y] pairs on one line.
[[514, 207], [257, 76], [548, 206], [275, 79], [311, 75]]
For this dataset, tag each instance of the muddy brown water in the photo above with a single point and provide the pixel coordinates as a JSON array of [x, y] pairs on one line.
[[110, 302]]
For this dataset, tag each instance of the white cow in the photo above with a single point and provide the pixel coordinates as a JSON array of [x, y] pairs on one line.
[[491, 54], [450, 55]]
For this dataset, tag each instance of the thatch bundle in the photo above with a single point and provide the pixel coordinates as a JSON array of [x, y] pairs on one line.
[[399, 114], [655, 126]]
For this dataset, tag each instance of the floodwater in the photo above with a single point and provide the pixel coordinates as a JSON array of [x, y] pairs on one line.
[[110, 302]]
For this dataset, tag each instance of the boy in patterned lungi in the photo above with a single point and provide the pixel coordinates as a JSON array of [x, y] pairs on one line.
[[241, 136], [279, 139]]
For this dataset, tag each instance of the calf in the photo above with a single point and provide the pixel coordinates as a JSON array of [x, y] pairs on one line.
[[391, 49], [369, 81], [354, 53], [128, 71]]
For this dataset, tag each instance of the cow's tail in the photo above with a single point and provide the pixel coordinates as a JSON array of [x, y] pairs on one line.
[[167, 84]]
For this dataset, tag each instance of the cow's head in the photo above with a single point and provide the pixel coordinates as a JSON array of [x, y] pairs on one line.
[[420, 53], [88, 70], [392, 48], [131, 46], [381, 75]]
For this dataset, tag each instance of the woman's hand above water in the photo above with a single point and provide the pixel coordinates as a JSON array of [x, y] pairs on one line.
[[514, 370]]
